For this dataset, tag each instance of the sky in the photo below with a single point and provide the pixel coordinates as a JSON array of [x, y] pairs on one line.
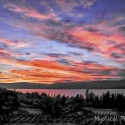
[[51, 41]]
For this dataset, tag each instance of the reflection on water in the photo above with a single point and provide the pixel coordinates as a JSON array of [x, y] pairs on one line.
[[71, 92]]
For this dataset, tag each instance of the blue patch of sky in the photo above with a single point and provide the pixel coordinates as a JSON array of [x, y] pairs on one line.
[[14, 33], [106, 8], [89, 56]]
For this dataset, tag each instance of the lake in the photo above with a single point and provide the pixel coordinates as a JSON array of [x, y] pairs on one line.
[[71, 92]]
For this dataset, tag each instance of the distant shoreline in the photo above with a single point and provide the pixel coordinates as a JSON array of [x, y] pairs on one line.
[[72, 85], [68, 89]]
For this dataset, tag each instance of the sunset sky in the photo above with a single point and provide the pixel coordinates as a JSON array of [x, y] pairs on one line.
[[48, 41]]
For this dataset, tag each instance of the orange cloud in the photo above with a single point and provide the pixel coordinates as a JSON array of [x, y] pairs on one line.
[[53, 71], [44, 71], [9, 77]]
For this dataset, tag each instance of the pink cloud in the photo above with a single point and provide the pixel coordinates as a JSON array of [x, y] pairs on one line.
[[15, 44], [97, 42], [70, 4], [29, 12]]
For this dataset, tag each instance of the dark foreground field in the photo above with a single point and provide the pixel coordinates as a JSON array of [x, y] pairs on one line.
[[69, 119], [41, 124], [34, 109]]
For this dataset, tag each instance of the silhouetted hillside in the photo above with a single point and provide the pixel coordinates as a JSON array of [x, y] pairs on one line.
[[71, 85]]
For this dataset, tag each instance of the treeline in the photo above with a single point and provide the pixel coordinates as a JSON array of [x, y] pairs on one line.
[[51, 106], [56, 104], [106, 100]]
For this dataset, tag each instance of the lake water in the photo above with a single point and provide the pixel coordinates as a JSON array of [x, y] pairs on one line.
[[71, 92]]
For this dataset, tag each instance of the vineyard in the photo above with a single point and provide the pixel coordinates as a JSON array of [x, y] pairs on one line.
[[74, 118]]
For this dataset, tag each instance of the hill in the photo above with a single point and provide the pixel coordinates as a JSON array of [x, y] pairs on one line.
[[72, 85]]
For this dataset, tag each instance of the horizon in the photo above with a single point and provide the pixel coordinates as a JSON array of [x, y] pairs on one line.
[[107, 84], [57, 41]]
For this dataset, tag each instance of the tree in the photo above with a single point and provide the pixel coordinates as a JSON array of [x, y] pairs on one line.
[[1, 105], [63, 100], [57, 109], [87, 94], [92, 98], [97, 101]]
